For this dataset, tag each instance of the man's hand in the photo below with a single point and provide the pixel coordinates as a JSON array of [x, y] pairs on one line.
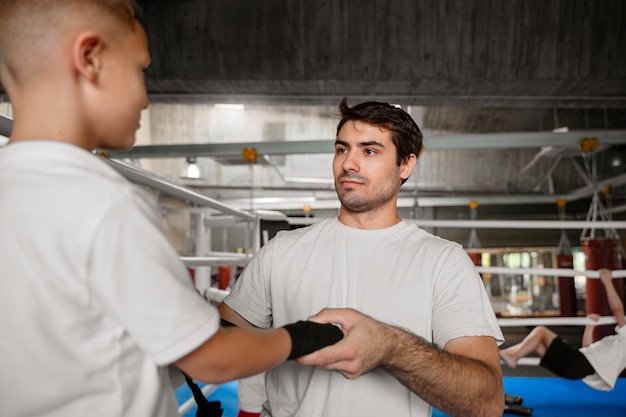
[[425, 370], [363, 348]]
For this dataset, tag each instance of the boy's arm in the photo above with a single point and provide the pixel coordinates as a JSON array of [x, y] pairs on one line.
[[232, 316], [234, 353], [237, 352]]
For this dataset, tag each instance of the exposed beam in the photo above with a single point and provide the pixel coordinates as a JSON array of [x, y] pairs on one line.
[[139, 176], [433, 142]]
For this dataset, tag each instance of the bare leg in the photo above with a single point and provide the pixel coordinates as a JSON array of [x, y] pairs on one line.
[[537, 340]]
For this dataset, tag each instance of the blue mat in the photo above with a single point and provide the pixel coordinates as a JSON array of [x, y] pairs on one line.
[[559, 397], [548, 397]]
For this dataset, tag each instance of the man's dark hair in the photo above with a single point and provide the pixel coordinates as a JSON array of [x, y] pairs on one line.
[[405, 133]]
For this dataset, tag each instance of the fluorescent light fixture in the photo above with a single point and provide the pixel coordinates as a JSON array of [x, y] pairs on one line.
[[228, 106], [192, 171]]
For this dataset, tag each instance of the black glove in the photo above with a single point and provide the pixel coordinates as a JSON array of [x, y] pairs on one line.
[[518, 409], [308, 336], [513, 399]]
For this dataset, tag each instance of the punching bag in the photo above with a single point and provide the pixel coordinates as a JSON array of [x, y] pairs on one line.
[[473, 246], [567, 289], [565, 260]]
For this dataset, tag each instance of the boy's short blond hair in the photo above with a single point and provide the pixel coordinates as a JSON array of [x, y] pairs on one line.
[[26, 24]]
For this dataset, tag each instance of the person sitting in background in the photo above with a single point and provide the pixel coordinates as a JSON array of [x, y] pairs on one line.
[[598, 364]]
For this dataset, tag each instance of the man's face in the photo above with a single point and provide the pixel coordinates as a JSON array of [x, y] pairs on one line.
[[123, 90], [365, 170]]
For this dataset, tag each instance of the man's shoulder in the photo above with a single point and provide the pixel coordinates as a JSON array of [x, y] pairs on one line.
[[291, 237], [316, 227], [415, 232]]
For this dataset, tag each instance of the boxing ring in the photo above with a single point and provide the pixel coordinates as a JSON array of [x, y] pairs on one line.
[[547, 396]]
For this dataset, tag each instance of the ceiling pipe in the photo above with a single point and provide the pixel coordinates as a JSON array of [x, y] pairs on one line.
[[517, 140]]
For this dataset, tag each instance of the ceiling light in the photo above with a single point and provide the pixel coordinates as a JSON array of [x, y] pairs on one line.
[[192, 171], [228, 106], [616, 162]]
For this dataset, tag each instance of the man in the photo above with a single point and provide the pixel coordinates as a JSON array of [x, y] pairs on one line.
[[94, 301], [419, 330]]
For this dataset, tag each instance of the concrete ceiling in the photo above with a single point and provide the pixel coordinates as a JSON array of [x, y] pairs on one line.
[[515, 69], [486, 53]]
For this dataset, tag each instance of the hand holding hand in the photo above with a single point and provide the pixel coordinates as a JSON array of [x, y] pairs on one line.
[[364, 346]]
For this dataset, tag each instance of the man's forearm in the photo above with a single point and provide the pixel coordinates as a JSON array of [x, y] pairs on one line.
[[454, 384]]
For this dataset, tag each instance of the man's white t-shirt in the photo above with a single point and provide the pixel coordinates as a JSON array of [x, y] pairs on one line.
[[400, 275], [94, 301]]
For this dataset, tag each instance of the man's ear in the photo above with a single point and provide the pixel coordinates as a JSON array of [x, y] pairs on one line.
[[407, 166], [87, 54]]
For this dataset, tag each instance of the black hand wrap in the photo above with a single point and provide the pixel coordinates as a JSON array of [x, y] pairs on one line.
[[308, 336]]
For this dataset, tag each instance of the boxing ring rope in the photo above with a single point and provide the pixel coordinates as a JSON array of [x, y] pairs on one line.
[[556, 321], [557, 272], [492, 224], [185, 407], [520, 224]]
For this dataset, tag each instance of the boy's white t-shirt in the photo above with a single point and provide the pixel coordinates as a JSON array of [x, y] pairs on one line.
[[94, 301]]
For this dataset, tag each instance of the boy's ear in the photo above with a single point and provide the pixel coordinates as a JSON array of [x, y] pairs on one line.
[[87, 54]]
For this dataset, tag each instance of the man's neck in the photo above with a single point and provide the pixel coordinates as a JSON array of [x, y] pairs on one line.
[[370, 220]]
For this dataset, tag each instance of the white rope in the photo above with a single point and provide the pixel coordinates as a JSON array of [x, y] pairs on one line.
[[191, 402], [557, 272], [215, 295], [492, 224], [232, 259], [555, 321], [520, 224]]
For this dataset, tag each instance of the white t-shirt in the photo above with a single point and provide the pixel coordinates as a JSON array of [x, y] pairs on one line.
[[94, 301], [607, 356], [401, 275], [251, 393]]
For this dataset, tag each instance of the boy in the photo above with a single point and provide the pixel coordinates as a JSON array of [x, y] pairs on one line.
[[95, 303]]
